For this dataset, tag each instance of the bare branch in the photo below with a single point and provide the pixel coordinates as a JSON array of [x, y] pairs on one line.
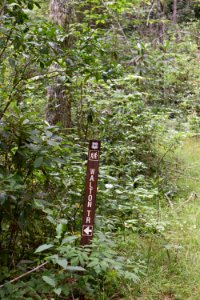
[[6, 43], [10, 97], [2, 9], [148, 17], [25, 274], [119, 26]]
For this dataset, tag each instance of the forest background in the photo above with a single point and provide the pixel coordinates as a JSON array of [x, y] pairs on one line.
[[123, 72]]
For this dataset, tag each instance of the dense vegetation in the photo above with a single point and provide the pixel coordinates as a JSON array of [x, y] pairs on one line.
[[124, 72]]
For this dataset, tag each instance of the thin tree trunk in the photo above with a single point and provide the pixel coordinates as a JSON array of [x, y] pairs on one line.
[[161, 26], [174, 15], [59, 106], [59, 96]]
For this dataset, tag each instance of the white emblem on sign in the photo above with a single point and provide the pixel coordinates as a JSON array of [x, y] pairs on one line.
[[93, 155], [95, 145], [87, 230]]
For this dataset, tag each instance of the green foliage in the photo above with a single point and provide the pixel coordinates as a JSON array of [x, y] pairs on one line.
[[122, 78], [31, 156]]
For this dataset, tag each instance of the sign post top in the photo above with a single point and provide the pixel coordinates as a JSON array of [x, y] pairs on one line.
[[94, 145]]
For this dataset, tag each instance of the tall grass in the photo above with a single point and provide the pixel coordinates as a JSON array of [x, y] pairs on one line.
[[174, 258]]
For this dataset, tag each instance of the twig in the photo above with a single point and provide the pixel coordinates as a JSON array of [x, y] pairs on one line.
[[191, 197], [25, 274], [119, 26], [45, 75], [169, 201], [187, 32], [148, 17], [168, 150], [10, 97], [2, 10], [6, 42]]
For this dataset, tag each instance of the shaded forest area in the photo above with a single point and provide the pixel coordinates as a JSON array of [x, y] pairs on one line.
[[125, 72]]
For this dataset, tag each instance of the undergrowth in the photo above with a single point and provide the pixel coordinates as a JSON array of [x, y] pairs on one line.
[[173, 258]]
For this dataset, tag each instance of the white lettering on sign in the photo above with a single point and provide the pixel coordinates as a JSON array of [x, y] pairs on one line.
[[88, 220], [89, 204], [92, 171], [92, 178], [90, 185], [90, 197]]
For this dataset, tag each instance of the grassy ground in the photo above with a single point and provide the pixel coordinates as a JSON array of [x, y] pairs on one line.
[[174, 260]]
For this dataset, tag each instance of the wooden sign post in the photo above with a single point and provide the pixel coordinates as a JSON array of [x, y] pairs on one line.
[[87, 229], [90, 192]]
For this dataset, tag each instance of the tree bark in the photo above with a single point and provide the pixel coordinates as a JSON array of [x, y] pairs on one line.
[[174, 15], [59, 106], [59, 96], [161, 26]]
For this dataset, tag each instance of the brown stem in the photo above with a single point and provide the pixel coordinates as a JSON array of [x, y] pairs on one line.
[[174, 15], [25, 274], [6, 44], [10, 98]]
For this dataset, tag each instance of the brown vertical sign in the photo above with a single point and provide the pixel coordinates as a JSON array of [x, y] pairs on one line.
[[90, 192]]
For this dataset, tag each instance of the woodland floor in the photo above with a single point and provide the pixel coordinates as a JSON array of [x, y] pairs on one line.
[[174, 269]]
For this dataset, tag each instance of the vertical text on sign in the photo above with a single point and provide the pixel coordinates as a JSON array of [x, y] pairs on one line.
[[90, 196]]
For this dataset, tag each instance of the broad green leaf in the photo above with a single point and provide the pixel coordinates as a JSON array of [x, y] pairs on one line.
[[11, 62], [93, 263], [76, 268], [26, 121], [59, 230], [51, 219], [43, 247], [62, 262], [49, 280], [38, 162], [69, 239], [58, 291]]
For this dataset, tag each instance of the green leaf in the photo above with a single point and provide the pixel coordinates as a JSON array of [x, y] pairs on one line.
[[11, 62], [37, 4], [38, 162], [26, 121], [59, 230], [58, 291], [43, 247], [62, 262], [76, 268], [93, 263], [69, 239], [130, 276], [49, 280], [51, 220], [2, 198]]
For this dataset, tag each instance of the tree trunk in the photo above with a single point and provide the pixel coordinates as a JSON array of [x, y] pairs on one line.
[[161, 27], [59, 96], [59, 105], [174, 15]]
